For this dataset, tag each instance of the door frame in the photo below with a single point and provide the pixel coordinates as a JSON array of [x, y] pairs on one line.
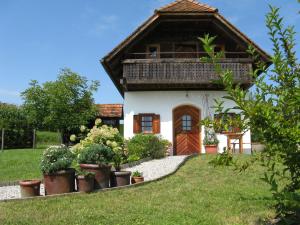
[[173, 128]]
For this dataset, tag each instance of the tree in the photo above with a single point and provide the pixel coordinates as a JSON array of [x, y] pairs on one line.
[[272, 109], [18, 132], [64, 104]]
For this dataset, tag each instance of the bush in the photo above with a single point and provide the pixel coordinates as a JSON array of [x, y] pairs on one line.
[[18, 132], [101, 134], [143, 146], [96, 154], [47, 138], [56, 158]]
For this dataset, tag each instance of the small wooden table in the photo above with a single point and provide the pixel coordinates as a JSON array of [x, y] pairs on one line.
[[231, 136]]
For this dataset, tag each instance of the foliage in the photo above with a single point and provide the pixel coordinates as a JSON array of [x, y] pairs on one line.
[[137, 174], [223, 159], [272, 108], [96, 154], [18, 131], [63, 104], [146, 145], [56, 158], [47, 138], [104, 135], [101, 134]]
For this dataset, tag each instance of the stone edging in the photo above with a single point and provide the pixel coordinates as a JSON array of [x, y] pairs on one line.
[[107, 189]]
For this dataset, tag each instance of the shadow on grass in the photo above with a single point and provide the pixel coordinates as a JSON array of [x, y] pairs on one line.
[[292, 218]]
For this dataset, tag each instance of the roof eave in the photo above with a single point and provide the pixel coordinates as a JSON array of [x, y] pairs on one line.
[[110, 73]]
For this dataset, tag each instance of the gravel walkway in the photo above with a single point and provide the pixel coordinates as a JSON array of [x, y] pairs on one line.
[[158, 168], [151, 170], [13, 192]]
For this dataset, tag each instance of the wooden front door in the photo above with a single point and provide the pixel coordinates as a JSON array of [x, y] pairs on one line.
[[186, 130]]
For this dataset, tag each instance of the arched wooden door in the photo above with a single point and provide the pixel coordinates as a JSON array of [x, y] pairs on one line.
[[186, 130]]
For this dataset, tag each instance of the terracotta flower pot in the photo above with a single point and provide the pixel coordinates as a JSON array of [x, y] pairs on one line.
[[60, 182], [30, 188], [102, 174], [135, 180], [85, 183], [120, 178], [211, 149]]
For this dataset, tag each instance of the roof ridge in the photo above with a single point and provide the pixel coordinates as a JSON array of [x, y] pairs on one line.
[[191, 1]]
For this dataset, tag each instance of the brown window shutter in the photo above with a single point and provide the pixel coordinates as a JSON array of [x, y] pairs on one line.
[[156, 124], [136, 124]]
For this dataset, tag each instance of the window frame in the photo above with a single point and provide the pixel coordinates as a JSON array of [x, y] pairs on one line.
[[141, 122], [157, 46]]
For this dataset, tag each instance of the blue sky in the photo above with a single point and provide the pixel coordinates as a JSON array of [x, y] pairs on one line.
[[37, 38]]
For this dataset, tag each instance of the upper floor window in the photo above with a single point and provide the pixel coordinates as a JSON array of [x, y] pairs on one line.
[[219, 48], [153, 51]]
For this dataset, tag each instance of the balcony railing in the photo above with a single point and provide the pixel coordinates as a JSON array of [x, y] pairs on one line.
[[183, 71]]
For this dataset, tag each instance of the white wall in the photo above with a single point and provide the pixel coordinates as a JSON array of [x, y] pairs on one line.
[[163, 103]]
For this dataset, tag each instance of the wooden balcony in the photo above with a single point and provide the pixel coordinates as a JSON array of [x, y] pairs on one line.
[[182, 73]]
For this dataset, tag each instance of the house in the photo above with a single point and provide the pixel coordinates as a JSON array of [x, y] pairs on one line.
[[110, 114], [167, 89]]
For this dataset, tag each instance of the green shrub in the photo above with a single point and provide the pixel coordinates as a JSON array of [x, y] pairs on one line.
[[18, 131], [56, 158], [146, 145], [96, 154], [47, 138]]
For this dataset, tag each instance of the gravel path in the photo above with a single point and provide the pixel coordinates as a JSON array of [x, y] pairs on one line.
[[151, 170], [158, 168], [13, 192]]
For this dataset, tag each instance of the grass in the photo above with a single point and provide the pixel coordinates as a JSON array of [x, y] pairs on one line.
[[20, 164], [47, 138], [196, 194]]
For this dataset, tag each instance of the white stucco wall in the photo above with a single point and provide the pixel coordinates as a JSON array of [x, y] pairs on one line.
[[163, 103]]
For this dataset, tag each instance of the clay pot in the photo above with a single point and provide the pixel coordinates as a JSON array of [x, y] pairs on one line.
[[102, 174], [135, 180], [120, 178], [211, 149], [85, 183], [60, 182], [30, 188]]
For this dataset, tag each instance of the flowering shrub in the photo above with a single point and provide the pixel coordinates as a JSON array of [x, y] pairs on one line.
[[210, 137], [96, 154], [56, 158], [100, 134]]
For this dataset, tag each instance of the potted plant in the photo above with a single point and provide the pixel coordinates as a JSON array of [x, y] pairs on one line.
[[210, 141], [30, 188], [96, 158], [85, 181], [119, 177], [58, 176], [137, 177]]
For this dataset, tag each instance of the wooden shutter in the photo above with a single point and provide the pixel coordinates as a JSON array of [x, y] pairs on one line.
[[136, 124], [156, 124]]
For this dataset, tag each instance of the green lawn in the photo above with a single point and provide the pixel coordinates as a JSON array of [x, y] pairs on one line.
[[196, 194], [20, 164]]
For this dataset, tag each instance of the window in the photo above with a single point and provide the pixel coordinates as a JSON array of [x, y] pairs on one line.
[[153, 51], [186, 123], [147, 124], [219, 48]]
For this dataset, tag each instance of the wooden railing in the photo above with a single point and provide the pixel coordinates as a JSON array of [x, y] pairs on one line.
[[184, 71]]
